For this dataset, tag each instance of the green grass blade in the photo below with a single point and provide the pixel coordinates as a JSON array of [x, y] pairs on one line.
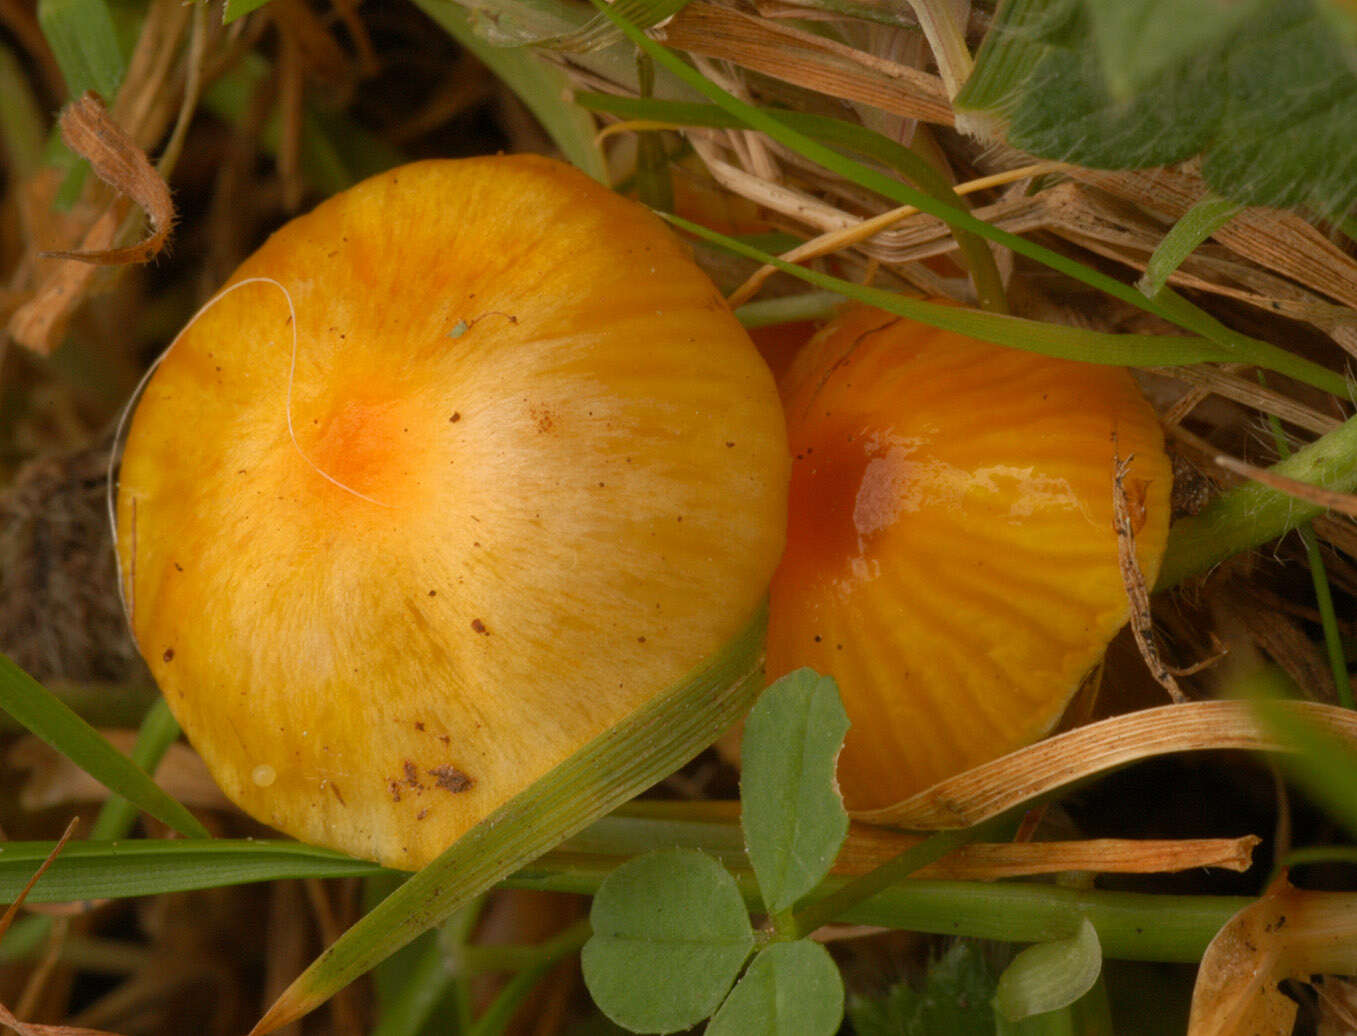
[[428, 979], [1131, 926], [147, 867], [85, 44], [1068, 343], [542, 87], [1197, 224], [620, 763], [52, 720]]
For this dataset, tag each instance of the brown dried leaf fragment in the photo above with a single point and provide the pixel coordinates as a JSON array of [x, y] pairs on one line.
[[90, 132], [988, 789], [1288, 933]]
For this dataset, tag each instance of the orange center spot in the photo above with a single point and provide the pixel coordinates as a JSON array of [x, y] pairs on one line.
[[362, 445]]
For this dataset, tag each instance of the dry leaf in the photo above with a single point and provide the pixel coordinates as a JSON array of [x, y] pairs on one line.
[[91, 133], [991, 788], [1288, 933]]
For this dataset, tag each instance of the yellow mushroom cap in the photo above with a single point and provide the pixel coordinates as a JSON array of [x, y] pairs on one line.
[[951, 557], [518, 473]]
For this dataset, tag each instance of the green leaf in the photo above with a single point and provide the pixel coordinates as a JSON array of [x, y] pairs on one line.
[[791, 989], [543, 87], [1066, 112], [793, 817], [1286, 139], [85, 43], [53, 721], [1050, 975], [670, 935], [1265, 91], [954, 999], [1137, 41]]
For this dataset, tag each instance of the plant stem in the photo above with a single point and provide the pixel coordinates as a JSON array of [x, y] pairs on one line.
[[826, 909], [1131, 925], [1253, 514]]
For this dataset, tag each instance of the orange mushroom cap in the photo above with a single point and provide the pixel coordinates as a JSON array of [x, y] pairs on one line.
[[951, 558], [458, 470]]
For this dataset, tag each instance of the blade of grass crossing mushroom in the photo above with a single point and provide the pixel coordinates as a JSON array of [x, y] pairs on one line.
[[617, 765], [542, 87], [1015, 332], [1167, 304], [54, 722]]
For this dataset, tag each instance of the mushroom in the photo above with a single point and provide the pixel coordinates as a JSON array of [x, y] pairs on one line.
[[457, 471], [951, 553]]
